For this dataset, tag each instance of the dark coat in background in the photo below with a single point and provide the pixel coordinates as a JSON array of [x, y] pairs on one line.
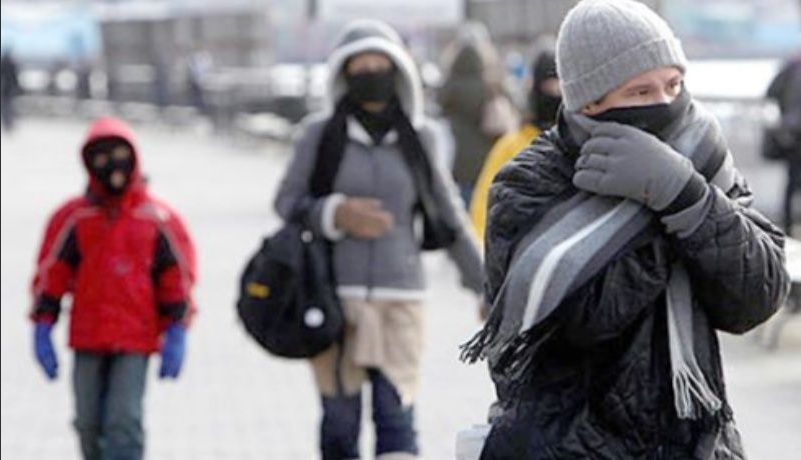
[[463, 98], [785, 89]]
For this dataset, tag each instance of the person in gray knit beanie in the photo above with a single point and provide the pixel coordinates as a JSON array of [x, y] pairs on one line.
[[604, 43], [619, 62], [618, 245]]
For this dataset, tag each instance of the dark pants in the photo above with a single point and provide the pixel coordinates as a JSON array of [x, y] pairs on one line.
[[341, 424], [109, 389], [8, 113], [792, 187], [197, 97]]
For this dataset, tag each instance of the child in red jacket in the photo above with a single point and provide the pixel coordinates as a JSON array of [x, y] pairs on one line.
[[129, 264]]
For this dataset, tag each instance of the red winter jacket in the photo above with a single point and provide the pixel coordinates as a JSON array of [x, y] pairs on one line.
[[127, 260]]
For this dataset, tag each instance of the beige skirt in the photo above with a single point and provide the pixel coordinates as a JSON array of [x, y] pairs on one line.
[[380, 334]]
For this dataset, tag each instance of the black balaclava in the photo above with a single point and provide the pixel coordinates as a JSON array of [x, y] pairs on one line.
[[371, 86], [542, 105], [653, 119], [104, 173]]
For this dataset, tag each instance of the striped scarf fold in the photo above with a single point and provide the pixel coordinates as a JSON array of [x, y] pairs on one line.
[[580, 236]]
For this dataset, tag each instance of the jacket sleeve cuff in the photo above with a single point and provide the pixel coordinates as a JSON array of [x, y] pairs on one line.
[[327, 224], [46, 309], [686, 221], [694, 191], [173, 311]]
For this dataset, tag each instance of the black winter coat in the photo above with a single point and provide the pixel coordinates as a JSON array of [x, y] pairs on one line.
[[600, 383]]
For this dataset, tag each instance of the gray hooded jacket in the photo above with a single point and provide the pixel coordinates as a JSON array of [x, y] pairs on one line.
[[388, 267]]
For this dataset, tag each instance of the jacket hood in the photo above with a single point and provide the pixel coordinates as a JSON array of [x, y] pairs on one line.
[[370, 35], [468, 63], [105, 128], [543, 67]]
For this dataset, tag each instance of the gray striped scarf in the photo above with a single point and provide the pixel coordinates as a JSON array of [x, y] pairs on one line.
[[577, 238]]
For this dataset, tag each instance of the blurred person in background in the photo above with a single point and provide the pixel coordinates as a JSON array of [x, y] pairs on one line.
[[544, 98], [381, 155], [198, 67], [785, 89], [127, 261], [161, 82], [618, 245], [56, 70], [83, 74], [474, 102], [81, 66], [9, 89]]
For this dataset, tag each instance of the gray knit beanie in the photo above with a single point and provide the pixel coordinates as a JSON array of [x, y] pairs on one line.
[[604, 43]]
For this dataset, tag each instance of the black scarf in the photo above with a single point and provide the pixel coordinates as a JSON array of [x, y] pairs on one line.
[[437, 232], [378, 124]]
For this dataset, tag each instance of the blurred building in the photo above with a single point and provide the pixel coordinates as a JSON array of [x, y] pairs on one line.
[[737, 29], [149, 45], [517, 23], [245, 56], [708, 28]]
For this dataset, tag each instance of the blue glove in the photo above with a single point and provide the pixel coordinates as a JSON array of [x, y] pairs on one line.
[[43, 346], [172, 352]]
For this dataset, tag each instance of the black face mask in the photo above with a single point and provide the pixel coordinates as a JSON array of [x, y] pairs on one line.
[[104, 172], [371, 86], [544, 107], [653, 119]]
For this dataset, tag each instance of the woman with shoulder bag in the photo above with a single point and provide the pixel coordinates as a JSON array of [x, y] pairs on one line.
[[379, 153]]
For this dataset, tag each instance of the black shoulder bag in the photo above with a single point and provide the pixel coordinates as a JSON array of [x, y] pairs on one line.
[[287, 296], [287, 292]]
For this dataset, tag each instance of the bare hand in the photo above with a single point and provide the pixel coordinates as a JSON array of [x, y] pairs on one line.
[[363, 218]]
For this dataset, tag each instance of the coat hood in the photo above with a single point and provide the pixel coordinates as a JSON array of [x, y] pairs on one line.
[[468, 63], [370, 35]]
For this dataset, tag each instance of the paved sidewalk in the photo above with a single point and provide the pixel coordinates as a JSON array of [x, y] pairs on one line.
[[233, 401]]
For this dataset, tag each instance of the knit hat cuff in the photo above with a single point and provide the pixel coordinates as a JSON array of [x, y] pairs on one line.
[[592, 86]]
